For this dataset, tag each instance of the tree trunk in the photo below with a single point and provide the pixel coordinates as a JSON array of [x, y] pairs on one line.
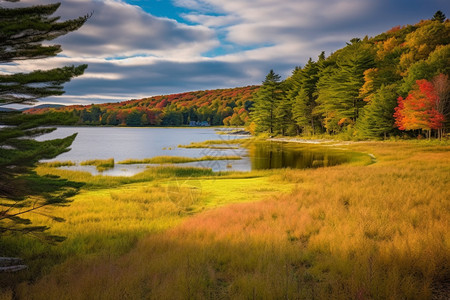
[[11, 264]]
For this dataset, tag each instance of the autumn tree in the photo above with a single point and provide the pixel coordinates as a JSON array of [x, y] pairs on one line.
[[423, 41], [419, 109], [23, 31]]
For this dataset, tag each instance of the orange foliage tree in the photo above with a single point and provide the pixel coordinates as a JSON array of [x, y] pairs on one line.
[[419, 109]]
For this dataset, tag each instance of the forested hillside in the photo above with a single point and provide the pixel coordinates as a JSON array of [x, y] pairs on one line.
[[374, 87], [396, 83], [216, 107]]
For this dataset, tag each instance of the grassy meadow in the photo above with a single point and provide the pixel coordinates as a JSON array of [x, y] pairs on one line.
[[353, 231]]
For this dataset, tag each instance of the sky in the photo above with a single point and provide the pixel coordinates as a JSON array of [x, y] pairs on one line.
[[142, 48]]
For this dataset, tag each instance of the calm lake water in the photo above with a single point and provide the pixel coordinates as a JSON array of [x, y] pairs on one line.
[[123, 143]]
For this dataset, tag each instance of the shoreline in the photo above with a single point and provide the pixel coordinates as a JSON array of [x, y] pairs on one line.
[[300, 140]]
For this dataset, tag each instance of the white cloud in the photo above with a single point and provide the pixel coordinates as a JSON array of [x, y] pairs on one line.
[[211, 21], [103, 76], [291, 30], [133, 54], [118, 29]]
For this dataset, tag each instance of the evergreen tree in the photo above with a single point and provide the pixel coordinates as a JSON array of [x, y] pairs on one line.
[[300, 110], [283, 117], [22, 31], [377, 116], [266, 101], [304, 93], [339, 85], [439, 16]]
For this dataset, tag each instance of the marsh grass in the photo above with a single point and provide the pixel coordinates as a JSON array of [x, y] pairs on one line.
[[213, 143], [148, 175], [177, 159], [57, 164], [100, 164], [352, 231]]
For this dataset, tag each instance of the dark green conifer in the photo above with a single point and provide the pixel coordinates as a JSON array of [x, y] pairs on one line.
[[266, 102], [439, 16], [376, 119], [22, 190]]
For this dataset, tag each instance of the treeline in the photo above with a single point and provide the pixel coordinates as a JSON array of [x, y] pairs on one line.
[[372, 88], [214, 107]]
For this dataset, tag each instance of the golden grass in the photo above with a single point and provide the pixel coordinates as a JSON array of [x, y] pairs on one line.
[[177, 159], [344, 232]]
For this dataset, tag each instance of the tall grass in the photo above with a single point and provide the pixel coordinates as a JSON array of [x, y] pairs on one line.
[[108, 222], [346, 232]]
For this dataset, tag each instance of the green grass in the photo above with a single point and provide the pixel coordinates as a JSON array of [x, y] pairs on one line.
[[176, 159]]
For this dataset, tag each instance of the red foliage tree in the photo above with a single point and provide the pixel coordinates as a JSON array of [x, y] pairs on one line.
[[419, 109]]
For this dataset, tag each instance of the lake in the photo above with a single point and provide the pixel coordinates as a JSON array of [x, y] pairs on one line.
[[123, 143]]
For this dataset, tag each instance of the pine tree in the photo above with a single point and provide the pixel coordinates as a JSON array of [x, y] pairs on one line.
[[266, 101], [304, 93], [376, 117], [300, 110], [22, 32], [283, 116], [340, 81], [439, 16]]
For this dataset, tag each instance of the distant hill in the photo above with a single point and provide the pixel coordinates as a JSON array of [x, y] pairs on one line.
[[43, 106], [5, 109], [213, 107]]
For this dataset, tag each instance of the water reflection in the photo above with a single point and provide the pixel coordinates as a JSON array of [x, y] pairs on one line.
[[275, 155]]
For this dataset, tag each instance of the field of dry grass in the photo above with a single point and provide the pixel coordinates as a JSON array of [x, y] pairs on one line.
[[378, 231]]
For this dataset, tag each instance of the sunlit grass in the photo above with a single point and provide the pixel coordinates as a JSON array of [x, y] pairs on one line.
[[108, 221], [177, 159], [352, 231]]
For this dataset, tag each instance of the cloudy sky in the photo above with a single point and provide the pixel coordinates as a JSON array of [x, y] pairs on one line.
[[141, 48]]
